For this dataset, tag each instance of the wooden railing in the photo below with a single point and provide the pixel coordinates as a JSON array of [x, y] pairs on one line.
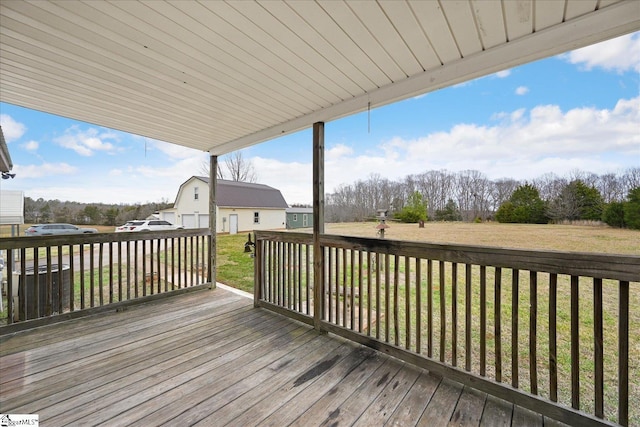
[[550, 331], [54, 276]]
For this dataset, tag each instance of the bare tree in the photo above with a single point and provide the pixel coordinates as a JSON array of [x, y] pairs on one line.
[[610, 187], [630, 180], [240, 169], [234, 168]]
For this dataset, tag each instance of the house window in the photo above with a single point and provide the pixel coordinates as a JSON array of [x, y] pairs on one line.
[[195, 193], [295, 217], [305, 220], [256, 217]]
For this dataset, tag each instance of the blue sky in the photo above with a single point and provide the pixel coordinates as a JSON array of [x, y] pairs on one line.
[[579, 110]]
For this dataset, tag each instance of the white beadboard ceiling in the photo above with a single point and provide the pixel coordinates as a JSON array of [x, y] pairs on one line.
[[222, 75]]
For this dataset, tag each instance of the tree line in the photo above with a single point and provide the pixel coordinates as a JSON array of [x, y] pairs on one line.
[[46, 211], [471, 196]]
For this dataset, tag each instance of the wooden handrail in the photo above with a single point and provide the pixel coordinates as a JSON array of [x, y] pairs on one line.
[[50, 276], [467, 312]]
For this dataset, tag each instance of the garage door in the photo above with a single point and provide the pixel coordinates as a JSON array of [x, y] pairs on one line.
[[203, 221], [169, 216], [189, 220]]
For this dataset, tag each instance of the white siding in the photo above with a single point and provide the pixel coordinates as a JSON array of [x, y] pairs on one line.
[[11, 207], [197, 211]]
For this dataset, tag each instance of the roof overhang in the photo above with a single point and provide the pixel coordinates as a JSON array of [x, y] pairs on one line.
[[220, 76], [5, 158]]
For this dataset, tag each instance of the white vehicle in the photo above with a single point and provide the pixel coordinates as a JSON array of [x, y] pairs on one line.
[[148, 225]]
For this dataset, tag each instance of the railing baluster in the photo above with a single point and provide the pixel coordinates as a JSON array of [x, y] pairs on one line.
[[575, 343], [467, 319], [135, 268], [173, 264], [82, 273], [92, 269], [345, 266], [192, 265], [387, 297], [120, 271], [144, 267], [515, 313], [186, 263], [152, 270], [110, 272], [352, 291], [100, 278], [272, 287], [308, 277], [533, 331], [378, 295], [598, 367], [553, 337], [330, 256], [159, 262], [497, 324], [166, 264], [360, 291], [407, 299], [287, 274], [443, 313], [418, 305], [128, 261], [71, 285], [454, 314], [483, 320], [301, 278], [11, 308], [429, 308], [369, 322], [623, 354], [396, 285]]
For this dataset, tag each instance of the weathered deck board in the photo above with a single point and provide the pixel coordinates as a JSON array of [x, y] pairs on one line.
[[209, 358]]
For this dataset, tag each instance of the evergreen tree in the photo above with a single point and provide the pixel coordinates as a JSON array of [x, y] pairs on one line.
[[524, 206], [613, 214], [632, 209], [449, 213], [415, 210]]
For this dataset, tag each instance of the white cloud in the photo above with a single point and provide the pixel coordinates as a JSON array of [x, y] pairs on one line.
[[521, 144], [620, 55], [87, 142], [337, 151], [504, 73], [31, 145], [522, 90], [43, 170], [11, 129]]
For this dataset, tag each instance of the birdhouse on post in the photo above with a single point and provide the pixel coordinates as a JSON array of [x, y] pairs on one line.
[[382, 225]]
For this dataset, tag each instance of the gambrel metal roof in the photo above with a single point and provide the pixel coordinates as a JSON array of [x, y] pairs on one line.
[[223, 75], [236, 194]]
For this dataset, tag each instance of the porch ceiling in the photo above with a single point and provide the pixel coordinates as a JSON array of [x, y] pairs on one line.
[[219, 76]]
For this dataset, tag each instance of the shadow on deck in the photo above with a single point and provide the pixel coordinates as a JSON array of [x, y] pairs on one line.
[[210, 358]]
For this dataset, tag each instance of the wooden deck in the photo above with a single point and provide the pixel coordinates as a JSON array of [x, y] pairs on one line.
[[209, 358]]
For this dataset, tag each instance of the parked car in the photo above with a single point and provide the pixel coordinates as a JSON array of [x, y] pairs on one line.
[[148, 225], [56, 229]]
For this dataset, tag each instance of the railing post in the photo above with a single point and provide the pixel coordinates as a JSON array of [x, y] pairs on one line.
[[318, 223]]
